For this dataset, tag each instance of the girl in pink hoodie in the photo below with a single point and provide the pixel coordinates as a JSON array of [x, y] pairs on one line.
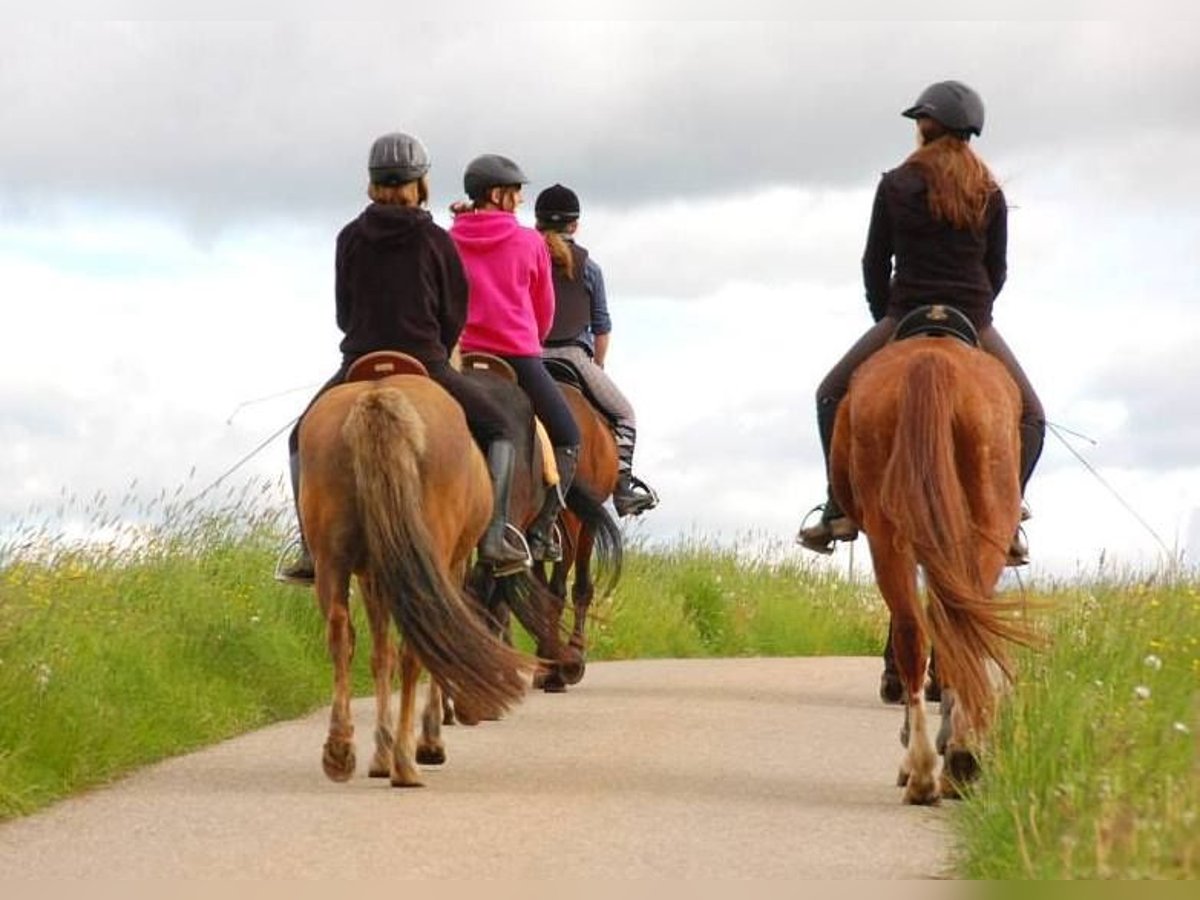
[[510, 311]]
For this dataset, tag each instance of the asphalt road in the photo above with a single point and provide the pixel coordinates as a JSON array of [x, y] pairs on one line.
[[704, 769]]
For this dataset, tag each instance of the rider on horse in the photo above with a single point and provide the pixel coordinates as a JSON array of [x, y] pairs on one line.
[[580, 335], [511, 311], [943, 220], [400, 286]]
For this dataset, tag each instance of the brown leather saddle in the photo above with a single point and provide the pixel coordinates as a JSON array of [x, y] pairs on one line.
[[382, 363]]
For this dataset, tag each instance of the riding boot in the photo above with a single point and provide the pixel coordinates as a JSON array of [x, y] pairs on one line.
[[495, 548], [834, 525], [1033, 435], [302, 570], [632, 496], [544, 543]]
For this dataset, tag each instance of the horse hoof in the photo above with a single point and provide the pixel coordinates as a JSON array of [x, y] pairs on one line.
[[407, 778], [961, 767], [431, 755], [379, 769], [572, 672], [923, 792], [553, 683], [338, 761], [891, 691]]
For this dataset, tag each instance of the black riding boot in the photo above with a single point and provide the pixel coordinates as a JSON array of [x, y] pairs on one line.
[[495, 549], [1033, 435], [632, 496], [834, 525], [544, 545], [301, 571]]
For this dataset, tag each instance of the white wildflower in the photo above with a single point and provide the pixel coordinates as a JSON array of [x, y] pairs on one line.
[[1153, 662], [1141, 692], [1181, 728]]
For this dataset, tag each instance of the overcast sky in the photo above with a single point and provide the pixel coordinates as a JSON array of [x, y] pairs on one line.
[[170, 194]]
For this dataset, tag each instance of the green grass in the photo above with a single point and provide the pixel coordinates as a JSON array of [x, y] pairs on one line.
[[173, 635], [1094, 767]]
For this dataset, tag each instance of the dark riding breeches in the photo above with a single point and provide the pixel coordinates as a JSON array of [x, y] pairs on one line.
[[835, 385]]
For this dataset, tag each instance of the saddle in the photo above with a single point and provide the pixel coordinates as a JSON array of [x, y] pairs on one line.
[[564, 372], [494, 365], [937, 320], [382, 363]]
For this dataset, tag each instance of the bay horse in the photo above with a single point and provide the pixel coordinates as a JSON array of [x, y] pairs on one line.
[[584, 524], [925, 459], [589, 532], [394, 490]]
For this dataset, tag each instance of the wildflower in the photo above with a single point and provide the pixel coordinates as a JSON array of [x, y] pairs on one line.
[[254, 620], [1181, 728], [42, 675], [1141, 692], [1153, 662]]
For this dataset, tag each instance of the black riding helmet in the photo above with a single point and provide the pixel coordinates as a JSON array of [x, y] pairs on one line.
[[952, 104], [557, 205], [397, 158], [488, 171]]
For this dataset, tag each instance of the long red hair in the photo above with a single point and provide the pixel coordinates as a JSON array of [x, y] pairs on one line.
[[960, 183]]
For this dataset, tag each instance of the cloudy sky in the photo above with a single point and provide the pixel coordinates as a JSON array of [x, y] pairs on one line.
[[170, 194]]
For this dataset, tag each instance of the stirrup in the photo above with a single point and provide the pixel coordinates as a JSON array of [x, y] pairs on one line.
[[820, 538], [548, 549], [296, 573], [1018, 550], [641, 498], [514, 537]]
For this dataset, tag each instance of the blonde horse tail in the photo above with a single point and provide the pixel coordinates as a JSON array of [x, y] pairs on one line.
[[386, 437], [923, 495]]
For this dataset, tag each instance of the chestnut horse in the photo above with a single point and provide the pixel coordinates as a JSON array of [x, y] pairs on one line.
[[394, 490], [925, 458], [587, 530]]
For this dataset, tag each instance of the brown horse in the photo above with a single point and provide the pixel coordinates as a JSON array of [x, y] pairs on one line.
[[394, 490], [587, 529], [925, 458]]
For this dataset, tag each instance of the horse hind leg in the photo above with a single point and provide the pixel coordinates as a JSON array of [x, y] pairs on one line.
[[895, 574], [333, 589], [383, 667], [430, 749], [404, 771]]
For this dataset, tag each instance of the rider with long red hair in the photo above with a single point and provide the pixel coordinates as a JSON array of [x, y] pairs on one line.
[[938, 234]]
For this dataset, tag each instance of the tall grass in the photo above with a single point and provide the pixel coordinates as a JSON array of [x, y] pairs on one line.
[[1094, 768], [170, 634]]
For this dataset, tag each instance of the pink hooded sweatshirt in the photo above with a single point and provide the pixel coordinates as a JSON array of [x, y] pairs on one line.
[[511, 303]]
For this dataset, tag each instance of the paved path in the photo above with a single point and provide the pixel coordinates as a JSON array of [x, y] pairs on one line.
[[744, 768]]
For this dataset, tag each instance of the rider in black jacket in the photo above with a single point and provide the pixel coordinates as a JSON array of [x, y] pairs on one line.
[[938, 234]]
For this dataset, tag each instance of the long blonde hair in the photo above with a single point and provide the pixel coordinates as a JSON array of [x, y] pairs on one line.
[[560, 250], [960, 183]]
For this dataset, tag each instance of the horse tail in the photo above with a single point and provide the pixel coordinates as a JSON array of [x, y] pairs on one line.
[[608, 549], [386, 437], [922, 494]]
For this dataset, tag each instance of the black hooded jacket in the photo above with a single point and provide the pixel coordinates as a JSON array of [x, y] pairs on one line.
[[934, 261], [399, 285]]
